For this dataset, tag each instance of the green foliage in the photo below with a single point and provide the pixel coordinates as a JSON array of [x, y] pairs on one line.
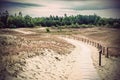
[[81, 26], [1, 25], [84, 21], [75, 25], [116, 25], [4, 18], [60, 28], [12, 26], [47, 30]]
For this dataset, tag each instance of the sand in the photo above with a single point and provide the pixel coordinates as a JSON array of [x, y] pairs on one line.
[[49, 65], [109, 69], [22, 31]]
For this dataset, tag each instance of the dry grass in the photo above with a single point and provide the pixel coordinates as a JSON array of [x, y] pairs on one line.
[[15, 47], [109, 37], [30, 43]]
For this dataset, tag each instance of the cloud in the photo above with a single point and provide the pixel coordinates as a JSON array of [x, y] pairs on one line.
[[88, 7], [92, 5], [10, 4], [60, 7]]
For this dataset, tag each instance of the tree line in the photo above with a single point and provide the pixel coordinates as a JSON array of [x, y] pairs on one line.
[[18, 21]]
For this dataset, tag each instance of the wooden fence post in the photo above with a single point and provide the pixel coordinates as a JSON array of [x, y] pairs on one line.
[[100, 57], [82, 39], [95, 44], [98, 45], [103, 51], [85, 40], [92, 43], [89, 42], [107, 53]]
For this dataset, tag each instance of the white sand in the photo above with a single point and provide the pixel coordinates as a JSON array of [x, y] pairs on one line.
[[22, 31], [48, 66]]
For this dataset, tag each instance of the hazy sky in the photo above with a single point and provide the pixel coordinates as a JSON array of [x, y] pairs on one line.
[[35, 8]]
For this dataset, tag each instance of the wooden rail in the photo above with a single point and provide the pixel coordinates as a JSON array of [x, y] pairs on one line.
[[103, 50]]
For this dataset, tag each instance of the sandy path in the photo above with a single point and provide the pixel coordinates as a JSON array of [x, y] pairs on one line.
[[22, 31], [83, 68]]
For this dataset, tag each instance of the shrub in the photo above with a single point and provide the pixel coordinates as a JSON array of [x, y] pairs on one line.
[[12, 26], [116, 25], [47, 30], [1, 25], [60, 28], [74, 25]]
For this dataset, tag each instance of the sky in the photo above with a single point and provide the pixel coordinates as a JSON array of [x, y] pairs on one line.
[[45, 8]]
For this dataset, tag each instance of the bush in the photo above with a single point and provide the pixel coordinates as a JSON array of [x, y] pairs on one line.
[[74, 25], [1, 25], [116, 25], [47, 30], [60, 28], [12, 26], [87, 26]]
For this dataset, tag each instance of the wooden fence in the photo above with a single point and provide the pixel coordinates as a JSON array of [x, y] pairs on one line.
[[103, 49]]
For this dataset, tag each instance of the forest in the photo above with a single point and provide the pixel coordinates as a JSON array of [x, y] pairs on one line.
[[20, 21]]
